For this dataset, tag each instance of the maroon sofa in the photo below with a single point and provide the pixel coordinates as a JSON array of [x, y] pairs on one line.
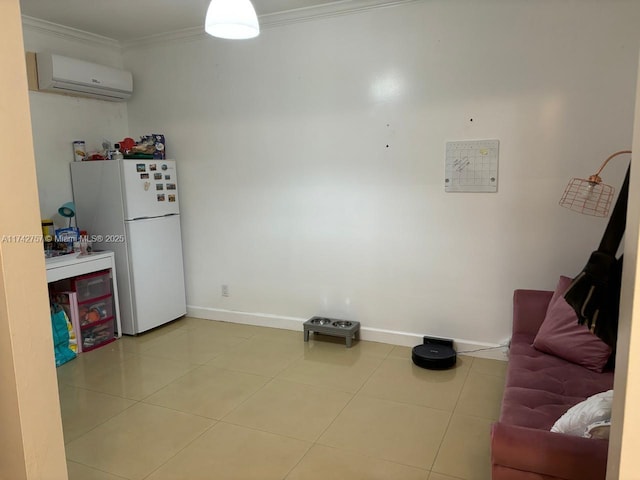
[[539, 389]]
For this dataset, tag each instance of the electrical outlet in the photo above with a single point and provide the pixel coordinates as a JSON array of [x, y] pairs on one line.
[[225, 290]]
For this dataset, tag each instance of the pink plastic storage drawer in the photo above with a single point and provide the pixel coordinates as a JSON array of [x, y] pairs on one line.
[[95, 310], [97, 334], [92, 286]]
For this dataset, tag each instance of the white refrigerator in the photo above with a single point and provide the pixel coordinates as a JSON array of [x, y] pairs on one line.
[[132, 207]]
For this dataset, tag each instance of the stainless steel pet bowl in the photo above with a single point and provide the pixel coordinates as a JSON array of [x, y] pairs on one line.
[[321, 321], [342, 324]]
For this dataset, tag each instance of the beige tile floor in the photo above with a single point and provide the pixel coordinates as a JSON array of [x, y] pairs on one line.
[[204, 400]]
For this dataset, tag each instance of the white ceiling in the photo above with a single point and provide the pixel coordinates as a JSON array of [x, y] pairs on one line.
[[131, 19]]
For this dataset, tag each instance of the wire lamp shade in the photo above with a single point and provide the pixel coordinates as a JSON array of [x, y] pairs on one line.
[[590, 196]]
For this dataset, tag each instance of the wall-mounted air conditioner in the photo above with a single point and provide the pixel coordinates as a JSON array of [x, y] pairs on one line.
[[60, 74]]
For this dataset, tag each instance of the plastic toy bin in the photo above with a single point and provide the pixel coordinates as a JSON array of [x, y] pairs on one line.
[[90, 302], [95, 310], [87, 287], [91, 286], [97, 334]]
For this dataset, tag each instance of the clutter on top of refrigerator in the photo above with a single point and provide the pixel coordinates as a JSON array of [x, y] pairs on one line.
[[152, 146], [149, 147], [79, 150]]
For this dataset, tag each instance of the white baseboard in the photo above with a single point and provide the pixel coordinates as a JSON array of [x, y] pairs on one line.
[[392, 337]]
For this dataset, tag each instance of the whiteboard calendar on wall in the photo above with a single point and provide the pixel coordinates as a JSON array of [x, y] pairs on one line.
[[472, 166]]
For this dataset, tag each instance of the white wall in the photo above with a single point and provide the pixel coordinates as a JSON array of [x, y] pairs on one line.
[[58, 120], [292, 198]]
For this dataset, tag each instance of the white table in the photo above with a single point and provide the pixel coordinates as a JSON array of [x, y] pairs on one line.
[[67, 266]]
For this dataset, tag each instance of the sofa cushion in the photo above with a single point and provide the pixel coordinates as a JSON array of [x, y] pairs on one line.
[[536, 370], [540, 388], [562, 336], [534, 408]]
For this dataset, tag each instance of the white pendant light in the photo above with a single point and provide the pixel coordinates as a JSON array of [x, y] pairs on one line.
[[233, 19]]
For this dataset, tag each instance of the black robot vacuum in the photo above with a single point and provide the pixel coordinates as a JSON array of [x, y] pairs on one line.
[[434, 354]]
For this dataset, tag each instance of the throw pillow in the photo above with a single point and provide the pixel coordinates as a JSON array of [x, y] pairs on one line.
[[576, 420], [562, 336]]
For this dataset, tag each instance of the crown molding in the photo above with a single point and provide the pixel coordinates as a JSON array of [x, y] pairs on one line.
[[184, 34], [272, 20], [327, 10], [68, 33]]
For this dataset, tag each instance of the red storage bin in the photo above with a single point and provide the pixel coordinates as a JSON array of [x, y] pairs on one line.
[[93, 310]]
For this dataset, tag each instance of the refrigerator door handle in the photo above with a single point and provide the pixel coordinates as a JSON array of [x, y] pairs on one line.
[[140, 218]]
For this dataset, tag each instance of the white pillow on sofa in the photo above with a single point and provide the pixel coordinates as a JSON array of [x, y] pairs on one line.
[[598, 430], [576, 420]]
